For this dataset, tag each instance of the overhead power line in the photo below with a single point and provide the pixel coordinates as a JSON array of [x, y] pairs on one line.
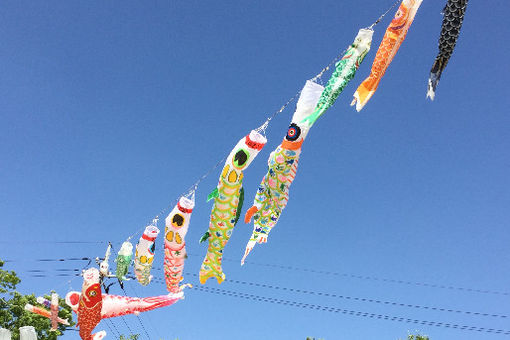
[[40, 273], [317, 307], [321, 272]]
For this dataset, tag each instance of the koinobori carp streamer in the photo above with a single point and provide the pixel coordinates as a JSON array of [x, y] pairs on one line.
[[453, 16], [176, 227], [228, 201], [144, 254], [393, 38]]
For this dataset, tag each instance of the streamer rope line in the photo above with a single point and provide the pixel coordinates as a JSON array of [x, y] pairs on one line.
[[261, 129], [384, 14]]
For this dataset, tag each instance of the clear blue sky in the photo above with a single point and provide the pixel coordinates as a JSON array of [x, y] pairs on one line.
[[109, 110]]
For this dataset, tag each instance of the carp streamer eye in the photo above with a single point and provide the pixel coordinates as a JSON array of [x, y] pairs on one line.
[[153, 247], [293, 132], [240, 158], [92, 293], [178, 220]]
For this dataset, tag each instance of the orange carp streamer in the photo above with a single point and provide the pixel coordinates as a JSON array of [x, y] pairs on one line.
[[393, 38]]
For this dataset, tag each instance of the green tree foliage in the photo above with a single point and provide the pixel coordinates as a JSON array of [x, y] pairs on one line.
[[13, 314], [130, 337], [417, 337]]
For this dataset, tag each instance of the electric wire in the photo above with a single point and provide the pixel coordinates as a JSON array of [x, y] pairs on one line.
[[139, 318], [115, 327], [375, 278], [109, 328], [122, 316], [125, 323], [317, 307], [361, 299], [334, 309], [327, 272]]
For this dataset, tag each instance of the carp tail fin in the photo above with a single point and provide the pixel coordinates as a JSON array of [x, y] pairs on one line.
[[435, 75], [363, 93]]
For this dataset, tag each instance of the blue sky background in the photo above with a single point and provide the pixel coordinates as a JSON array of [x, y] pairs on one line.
[[109, 111]]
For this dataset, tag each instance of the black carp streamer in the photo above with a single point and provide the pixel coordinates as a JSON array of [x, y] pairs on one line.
[[453, 15]]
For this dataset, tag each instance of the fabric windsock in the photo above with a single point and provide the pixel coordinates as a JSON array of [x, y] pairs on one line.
[[176, 227], [345, 70], [453, 16], [228, 201], [273, 192], [144, 255], [90, 304], [123, 260], [119, 305], [393, 38]]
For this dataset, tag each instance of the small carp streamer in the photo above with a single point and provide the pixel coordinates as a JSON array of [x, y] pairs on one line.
[[273, 192], [123, 261], [176, 227], [393, 38], [89, 305], [144, 254], [453, 15], [228, 201]]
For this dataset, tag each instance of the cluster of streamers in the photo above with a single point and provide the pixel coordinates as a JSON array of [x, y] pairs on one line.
[[51, 314], [176, 227], [144, 254], [273, 192], [393, 38], [228, 200], [123, 261], [453, 15], [92, 306]]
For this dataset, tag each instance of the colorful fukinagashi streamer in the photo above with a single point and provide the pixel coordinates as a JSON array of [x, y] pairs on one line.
[[51, 314], [393, 38], [273, 192], [228, 200], [89, 305], [117, 305], [144, 254], [453, 15], [176, 227], [123, 261]]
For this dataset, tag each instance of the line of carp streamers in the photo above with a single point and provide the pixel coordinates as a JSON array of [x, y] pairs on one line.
[[272, 195]]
